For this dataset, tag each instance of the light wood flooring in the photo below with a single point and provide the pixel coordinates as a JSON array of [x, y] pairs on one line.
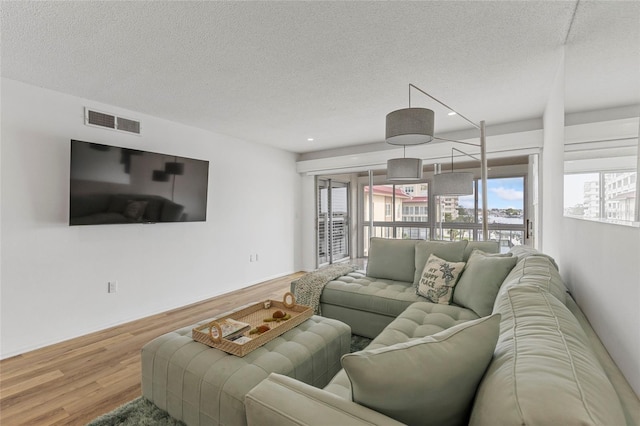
[[73, 382]]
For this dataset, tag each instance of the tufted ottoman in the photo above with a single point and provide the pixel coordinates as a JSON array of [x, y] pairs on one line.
[[204, 386]]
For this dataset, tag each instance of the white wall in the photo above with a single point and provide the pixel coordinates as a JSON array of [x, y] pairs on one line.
[[600, 263], [54, 277]]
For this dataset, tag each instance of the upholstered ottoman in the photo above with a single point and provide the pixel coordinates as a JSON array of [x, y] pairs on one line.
[[204, 386]]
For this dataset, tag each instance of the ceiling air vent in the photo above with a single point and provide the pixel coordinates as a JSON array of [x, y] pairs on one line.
[[100, 119], [127, 125], [110, 121]]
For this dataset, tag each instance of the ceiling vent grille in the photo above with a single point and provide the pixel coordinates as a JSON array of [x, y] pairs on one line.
[[127, 125], [100, 119], [110, 121]]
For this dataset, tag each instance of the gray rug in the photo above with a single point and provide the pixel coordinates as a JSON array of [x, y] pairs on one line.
[[141, 412]]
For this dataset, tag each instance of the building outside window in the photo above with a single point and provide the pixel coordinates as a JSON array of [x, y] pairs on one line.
[[609, 196]]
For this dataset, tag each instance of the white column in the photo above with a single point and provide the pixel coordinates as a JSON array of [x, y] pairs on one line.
[[637, 210], [552, 176], [308, 225]]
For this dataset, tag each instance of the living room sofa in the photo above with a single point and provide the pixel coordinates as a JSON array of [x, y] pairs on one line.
[[510, 348]]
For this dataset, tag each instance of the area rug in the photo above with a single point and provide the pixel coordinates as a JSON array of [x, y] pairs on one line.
[[141, 412]]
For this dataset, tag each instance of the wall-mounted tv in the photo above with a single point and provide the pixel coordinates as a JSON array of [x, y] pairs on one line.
[[111, 185]]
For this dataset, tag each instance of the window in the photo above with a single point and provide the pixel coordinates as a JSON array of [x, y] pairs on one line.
[[410, 204], [419, 216], [609, 196], [460, 217]]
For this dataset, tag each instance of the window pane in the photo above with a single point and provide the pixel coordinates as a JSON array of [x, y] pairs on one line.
[[383, 202], [456, 208], [505, 199], [620, 195], [415, 207], [582, 195]]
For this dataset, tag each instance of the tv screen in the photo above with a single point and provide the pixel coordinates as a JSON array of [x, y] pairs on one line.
[[111, 185]]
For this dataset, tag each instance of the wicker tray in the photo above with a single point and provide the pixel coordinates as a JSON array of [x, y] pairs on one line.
[[254, 315]]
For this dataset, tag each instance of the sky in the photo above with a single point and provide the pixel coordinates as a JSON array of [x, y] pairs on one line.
[[503, 193], [574, 187]]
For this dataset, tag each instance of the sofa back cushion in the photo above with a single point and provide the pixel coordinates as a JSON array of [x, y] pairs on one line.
[[426, 381], [481, 280], [490, 247], [450, 251], [539, 271], [543, 370], [523, 251], [392, 259]]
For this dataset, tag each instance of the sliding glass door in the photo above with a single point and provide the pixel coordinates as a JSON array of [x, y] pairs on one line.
[[332, 206]]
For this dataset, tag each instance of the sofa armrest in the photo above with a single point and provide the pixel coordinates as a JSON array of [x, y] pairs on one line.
[[283, 401]]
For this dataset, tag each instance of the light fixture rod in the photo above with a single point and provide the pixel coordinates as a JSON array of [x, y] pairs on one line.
[[441, 103], [483, 179], [462, 152], [455, 141]]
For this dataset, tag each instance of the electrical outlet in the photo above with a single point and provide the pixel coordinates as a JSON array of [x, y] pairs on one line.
[[250, 258], [256, 257], [112, 287]]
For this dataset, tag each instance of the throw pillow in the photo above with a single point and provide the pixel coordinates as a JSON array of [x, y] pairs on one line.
[[480, 283], [447, 250], [438, 279], [426, 381], [135, 209]]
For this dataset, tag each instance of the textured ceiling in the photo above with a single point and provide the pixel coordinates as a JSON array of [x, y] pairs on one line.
[[281, 72]]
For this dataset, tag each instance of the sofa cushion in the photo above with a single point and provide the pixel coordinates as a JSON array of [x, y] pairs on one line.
[[451, 251], [359, 292], [391, 259], [421, 319], [426, 381], [523, 251], [539, 271], [544, 370], [438, 279], [481, 280]]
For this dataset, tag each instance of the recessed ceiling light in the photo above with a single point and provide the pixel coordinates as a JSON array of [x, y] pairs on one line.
[[309, 139], [451, 113]]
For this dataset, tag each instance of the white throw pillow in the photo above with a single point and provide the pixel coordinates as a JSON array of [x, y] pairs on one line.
[[438, 279]]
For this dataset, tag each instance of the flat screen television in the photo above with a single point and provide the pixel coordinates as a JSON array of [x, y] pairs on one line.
[[114, 185]]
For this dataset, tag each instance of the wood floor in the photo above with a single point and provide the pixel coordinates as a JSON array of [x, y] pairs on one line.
[[73, 382]]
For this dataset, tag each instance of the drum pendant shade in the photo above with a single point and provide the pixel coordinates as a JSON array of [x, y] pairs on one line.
[[410, 126], [454, 183], [404, 169]]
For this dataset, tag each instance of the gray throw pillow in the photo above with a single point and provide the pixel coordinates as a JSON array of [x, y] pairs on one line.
[[481, 279], [451, 251], [426, 381]]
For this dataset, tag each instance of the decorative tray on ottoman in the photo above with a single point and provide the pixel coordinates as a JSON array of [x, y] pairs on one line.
[[237, 332]]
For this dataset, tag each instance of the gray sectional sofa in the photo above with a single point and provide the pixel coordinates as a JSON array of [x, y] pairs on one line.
[[511, 348]]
